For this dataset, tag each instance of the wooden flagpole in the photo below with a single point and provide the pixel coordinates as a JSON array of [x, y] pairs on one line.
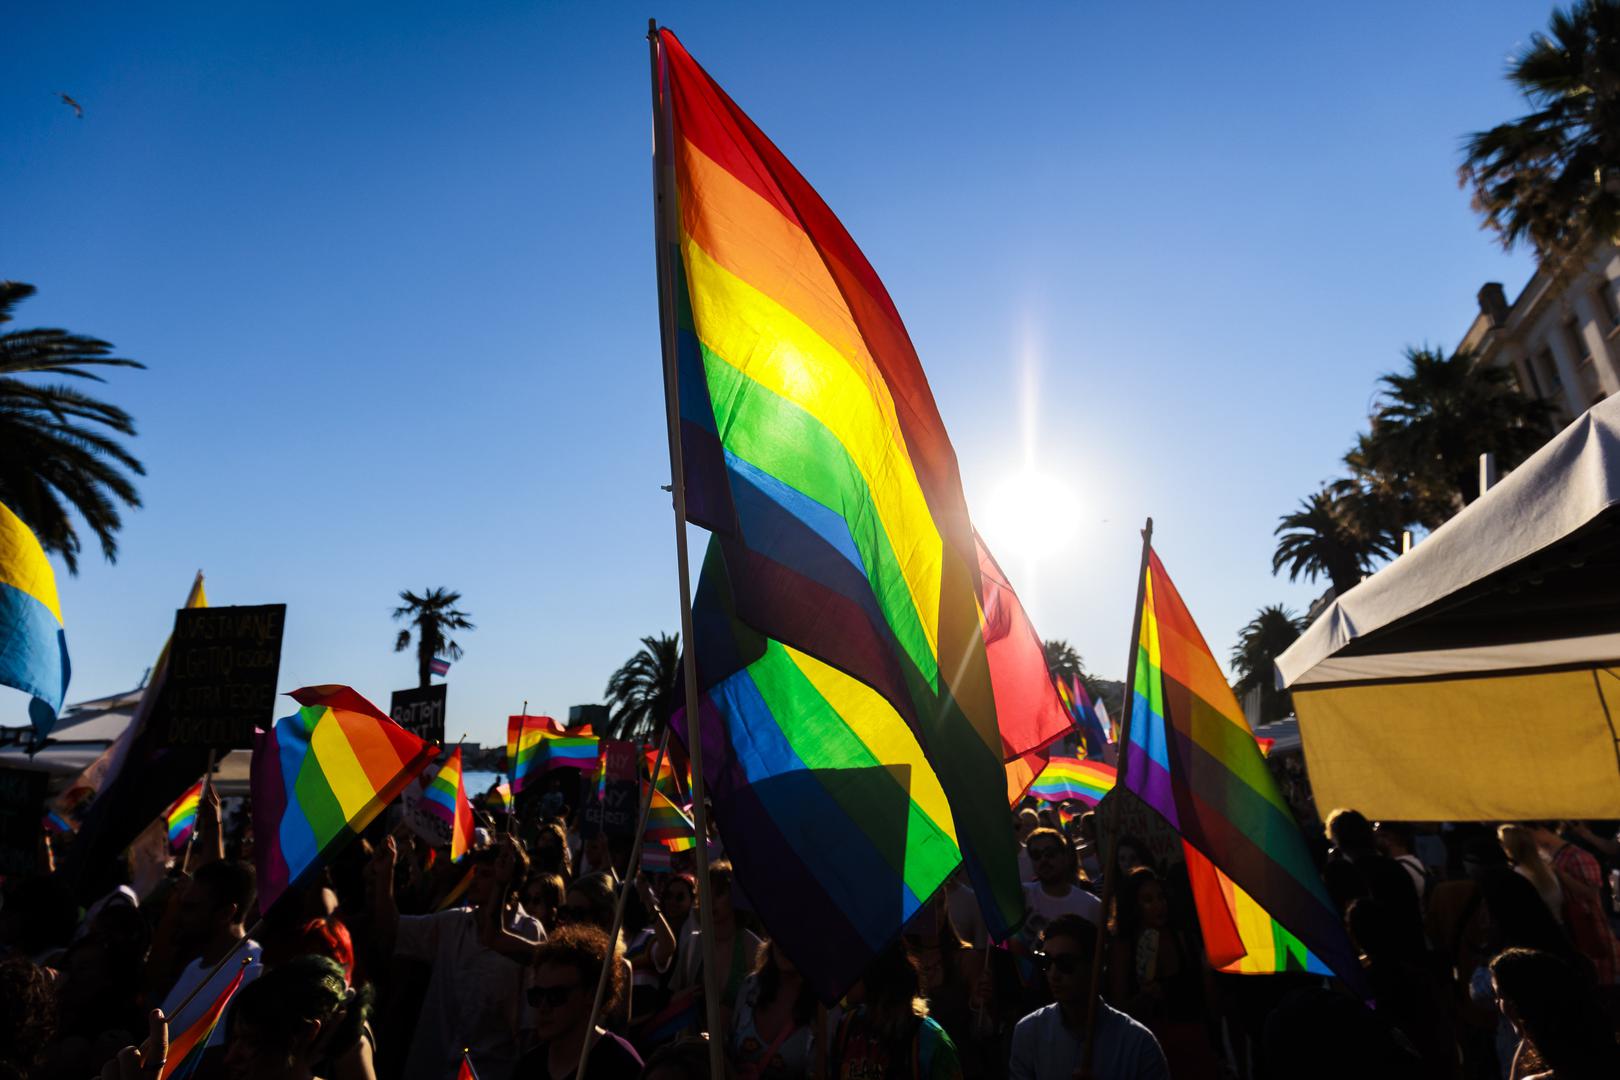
[[1111, 866], [663, 217], [618, 909]]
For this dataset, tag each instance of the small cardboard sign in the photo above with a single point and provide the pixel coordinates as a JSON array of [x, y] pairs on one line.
[[615, 812], [420, 711], [221, 675]]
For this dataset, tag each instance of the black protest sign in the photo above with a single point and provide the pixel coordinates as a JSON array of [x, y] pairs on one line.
[[221, 680], [615, 812], [22, 806], [420, 711]]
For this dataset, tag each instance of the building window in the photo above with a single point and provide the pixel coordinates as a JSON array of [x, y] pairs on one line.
[[1546, 370]]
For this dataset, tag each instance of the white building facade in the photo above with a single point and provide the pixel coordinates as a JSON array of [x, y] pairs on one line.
[[1561, 335]]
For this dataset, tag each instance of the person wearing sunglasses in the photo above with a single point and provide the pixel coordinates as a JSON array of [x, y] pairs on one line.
[[1056, 889], [562, 985], [1050, 1043]]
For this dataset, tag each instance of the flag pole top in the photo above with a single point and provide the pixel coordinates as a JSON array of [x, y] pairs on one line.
[[652, 28]]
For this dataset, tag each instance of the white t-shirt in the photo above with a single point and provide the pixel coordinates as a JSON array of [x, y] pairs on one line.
[[1043, 907], [475, 998], [193, 974]]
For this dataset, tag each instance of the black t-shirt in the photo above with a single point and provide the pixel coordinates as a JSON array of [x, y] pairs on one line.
[[610, 1059]]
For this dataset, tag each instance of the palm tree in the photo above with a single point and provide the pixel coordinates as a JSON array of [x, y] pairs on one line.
[[1063, 661], [1434, 419], [1320, 538], [435, 617], [1552, 176], [58, 444], [642, 692], [1272, 630]]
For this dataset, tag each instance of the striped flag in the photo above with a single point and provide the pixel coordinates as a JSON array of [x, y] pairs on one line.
[[186, 1048], [181, 816], [439, 666], [446, 799]]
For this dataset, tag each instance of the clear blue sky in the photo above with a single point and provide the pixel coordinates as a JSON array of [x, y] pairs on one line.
[[390, 268]]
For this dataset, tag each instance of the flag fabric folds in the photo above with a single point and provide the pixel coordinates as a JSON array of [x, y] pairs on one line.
[[1192, 758], [319, 777], [668, 824], [33, 645], [439, 666], [1086, 717], [814, 450], [567, 751], [1073, 778], [446, 799], [181, 816], [186, 1047], [523, 735]]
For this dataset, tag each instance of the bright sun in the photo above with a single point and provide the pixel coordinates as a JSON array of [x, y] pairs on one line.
[[1033, 514]]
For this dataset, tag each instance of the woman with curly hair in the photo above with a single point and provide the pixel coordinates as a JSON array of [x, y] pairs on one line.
[[292, 1018], [562, 986]]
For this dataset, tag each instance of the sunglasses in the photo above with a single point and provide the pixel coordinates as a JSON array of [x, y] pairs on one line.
[[551, 997], [1044, 852], [1066, 963]]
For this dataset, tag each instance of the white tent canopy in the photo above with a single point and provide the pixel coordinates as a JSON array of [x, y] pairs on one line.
[[1477, 676]]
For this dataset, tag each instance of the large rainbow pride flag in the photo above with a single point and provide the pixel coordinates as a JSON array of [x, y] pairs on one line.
[[33, 645], [1192, 757], [1063, 778], [814, 450], [319, 777], [446, 799]]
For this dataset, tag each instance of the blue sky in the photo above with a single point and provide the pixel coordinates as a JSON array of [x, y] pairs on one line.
[[390, 269]]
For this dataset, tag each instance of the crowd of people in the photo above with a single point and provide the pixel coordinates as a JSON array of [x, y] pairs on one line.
[[1490, 954]]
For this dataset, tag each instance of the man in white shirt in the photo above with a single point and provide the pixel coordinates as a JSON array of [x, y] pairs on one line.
[[474, 996], [213, 906], [1050, 1043], [1055, 890]]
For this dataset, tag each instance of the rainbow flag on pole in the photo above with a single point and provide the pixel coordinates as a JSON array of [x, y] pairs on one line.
[[446, 799], [319, 777], [813, 449], [1192, 757], [181, 816], [33, 645], [1063, 778], [668, 823], [566, 751], [186, 1047], [523, 735]]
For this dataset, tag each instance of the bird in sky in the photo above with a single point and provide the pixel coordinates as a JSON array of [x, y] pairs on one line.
[[78, 110]]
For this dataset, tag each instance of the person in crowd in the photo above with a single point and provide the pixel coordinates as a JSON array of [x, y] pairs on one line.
[[27, 1017], [1562, 1032], [736, 949], [1408, 996], [687, 1058], [1519, 845], [949, 971], [596, 856], [1581, 880], [590, 899], [37, 919], [772, 1034], [98, 993], [294, 1018], [1049, 1043], [1130, 854], [1356, 868], [1025, 822], [1086, 848], [1397, 840], [474, 994], [551, 852], [1056, 889], [962, 904], [561, 990], [544, 893], [211, 911], [1157, 974], [887, 1031], [329, 938]]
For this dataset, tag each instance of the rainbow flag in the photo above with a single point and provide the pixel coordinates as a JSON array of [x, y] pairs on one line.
[[56, 824], [446, 799], [655, 858], [33, 645], [523, 735], [181, 816], [319, 777], [503, 792], [1063, 778], [667, 823], [1192, 758], [466, 1071], [186, 1047], [667, 781], [815, 452], [568, 751], [1086, 718], [1065, 815]]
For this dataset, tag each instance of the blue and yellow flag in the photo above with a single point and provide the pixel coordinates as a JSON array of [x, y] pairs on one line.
[[33, 647]]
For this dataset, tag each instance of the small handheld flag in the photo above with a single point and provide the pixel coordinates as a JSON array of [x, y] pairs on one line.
[[439, 666], [446, 799], [186, 1048], [523, 734], [466, 1071], [181, 816], [668, 824]]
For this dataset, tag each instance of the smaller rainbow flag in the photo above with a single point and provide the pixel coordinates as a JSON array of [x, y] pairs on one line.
[[181, 816], [56, 824], [523, 734], [668, 823], [466, 1071], [186, 1048], [1071, 778], [566, 751], [446, 799], [503, 792], [666, 781], [655, 858], [1065, 815]]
